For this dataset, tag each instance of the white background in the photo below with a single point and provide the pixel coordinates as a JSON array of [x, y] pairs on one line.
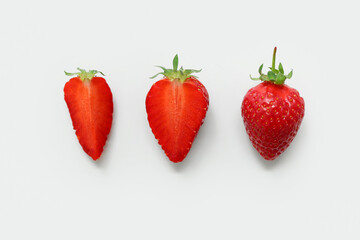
[[50, 189]]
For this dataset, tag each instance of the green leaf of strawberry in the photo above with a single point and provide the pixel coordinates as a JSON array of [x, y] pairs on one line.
[[274, 75], [281, 69], [271, 76], [175, 74], [260, 69]]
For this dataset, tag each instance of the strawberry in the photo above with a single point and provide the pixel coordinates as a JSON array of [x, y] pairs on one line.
[[90, 104], [176, 106], [272, 112]]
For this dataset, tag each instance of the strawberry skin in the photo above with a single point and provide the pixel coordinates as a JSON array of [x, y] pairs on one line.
[[90, 104], [272, 116], [176, 109], [272, 112]]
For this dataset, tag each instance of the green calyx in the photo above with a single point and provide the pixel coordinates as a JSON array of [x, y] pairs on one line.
[[174, 74], [84, 75], [276, 76]]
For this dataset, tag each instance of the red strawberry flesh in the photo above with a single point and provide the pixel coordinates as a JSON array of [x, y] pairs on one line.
[[175, 112], [91, 107]]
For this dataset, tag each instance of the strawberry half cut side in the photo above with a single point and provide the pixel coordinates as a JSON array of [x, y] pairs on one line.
[[176, 106], [90, 103]]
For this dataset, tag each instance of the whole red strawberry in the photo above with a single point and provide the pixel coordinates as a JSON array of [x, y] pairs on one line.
[[90, 104], [272, 112], [176, 106]]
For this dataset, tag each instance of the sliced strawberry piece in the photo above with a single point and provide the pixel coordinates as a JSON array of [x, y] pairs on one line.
[[176, 108], [90, 104]]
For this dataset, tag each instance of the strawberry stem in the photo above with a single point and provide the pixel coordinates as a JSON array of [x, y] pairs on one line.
[[273, 60], [174, 74], [84, 75], [275, 76]]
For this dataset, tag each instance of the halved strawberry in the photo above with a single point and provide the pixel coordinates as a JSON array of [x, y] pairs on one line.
[[176, 106], [90, 104]]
